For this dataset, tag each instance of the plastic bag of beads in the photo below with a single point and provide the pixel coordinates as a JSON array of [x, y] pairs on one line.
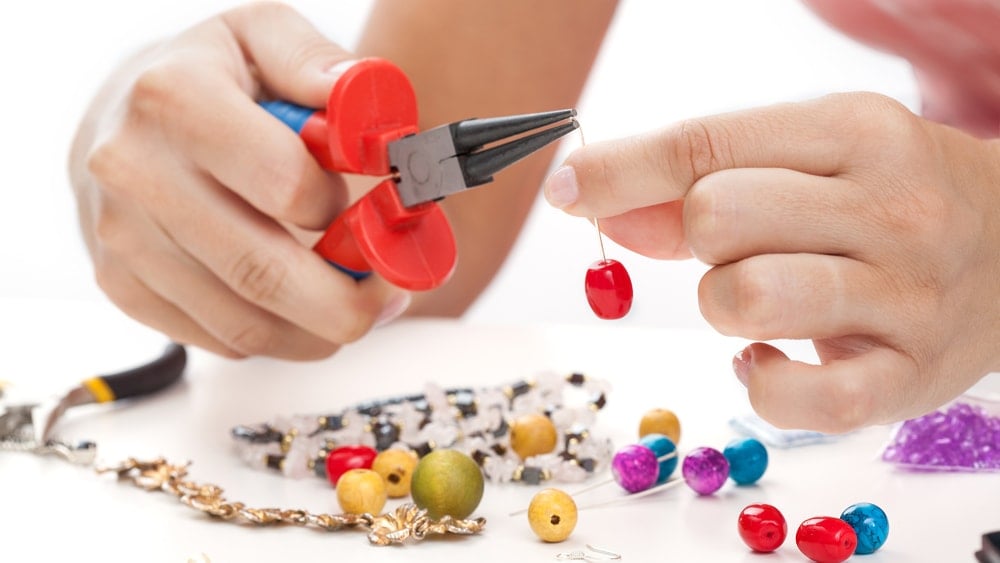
[[962, 436]]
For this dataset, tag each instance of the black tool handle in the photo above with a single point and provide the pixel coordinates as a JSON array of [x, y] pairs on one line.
[[147, 378]]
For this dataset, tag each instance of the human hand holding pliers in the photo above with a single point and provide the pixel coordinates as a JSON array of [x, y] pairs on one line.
[[369, 127]]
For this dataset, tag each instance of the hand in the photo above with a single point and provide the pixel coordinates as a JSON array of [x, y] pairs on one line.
[[846, 220], [192, 198]]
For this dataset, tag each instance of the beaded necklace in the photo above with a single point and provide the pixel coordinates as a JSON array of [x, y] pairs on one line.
[[474, 421]]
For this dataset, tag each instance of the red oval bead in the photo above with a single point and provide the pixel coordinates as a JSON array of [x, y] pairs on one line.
[[609, 289], [762, 527], [345, 458], [825, 539]]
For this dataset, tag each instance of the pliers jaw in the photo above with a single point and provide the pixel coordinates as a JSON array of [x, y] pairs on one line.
[[451, 158], [26, 427]]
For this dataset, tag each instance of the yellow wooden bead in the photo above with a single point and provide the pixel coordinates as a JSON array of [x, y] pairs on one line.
[[396, 468], [661, 421], [361, 491], [532, 434], [552, 515]]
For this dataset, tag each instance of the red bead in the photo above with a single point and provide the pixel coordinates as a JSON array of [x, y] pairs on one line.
[[762, 527], [345, 458], [825, 539], [609, 289]]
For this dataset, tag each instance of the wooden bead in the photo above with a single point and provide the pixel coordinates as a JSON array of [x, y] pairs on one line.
[[447, 483], [361, 491], [661, 421], [552, 515], [533, 434], [396, 468]]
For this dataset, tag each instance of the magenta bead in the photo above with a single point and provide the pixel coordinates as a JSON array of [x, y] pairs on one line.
[[635, 468], [705, 470]]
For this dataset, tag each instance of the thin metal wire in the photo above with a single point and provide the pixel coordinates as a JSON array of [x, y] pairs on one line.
[[580, 555], [593, 486], [597, 224], [600, 239]]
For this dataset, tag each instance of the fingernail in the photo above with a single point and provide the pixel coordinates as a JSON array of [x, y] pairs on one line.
[[395, 307], [561, 188], [741, 365]]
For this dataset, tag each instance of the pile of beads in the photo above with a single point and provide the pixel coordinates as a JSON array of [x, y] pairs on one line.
[[861, 529], [444, 482], [554, 442], [963, 437], [638, 467], [645, 468]]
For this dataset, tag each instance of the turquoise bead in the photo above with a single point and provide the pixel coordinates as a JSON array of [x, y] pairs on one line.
[[747, 459], [870, 524], [661, 446]]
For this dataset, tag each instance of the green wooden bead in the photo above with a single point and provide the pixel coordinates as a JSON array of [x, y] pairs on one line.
[[447, 482]]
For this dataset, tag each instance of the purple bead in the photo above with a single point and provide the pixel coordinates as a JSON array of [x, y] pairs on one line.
[[705, 470], [635, 468], [962, 438]]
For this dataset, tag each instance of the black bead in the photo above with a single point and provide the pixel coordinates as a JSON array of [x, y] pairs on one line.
[[386, 434], [600, 401], [422, 449], [479, 456], [319, 466], [519, 388], [274, 461], [262, 435], [465, 402], [531, 475], [501, 429], [333, 422]]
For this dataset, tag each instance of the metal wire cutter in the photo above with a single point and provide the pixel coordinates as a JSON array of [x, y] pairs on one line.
[[29, 426]]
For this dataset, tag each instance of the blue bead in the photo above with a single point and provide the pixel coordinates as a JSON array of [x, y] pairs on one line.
[[747, 459], [870, 524], [661, 446]]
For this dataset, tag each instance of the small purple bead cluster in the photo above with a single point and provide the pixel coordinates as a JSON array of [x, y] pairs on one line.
[[963, 437]]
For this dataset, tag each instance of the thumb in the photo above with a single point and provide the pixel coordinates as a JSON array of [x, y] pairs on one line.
[[293, 60], [838, 396]]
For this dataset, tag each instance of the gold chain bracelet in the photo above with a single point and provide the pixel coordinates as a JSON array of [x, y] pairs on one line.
[[406, 522]]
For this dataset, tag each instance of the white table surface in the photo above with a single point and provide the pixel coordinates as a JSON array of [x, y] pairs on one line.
[[52, 511]]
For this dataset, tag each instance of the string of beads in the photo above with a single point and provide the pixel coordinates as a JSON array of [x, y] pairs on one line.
[[474, 421]]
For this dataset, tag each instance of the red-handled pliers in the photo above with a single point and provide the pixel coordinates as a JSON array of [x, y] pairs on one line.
[[369, 126]]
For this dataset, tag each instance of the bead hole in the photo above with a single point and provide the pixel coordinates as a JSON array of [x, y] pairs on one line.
[[554, 520], [394, 478]]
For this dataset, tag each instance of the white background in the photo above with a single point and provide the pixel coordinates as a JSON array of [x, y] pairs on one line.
[[663, 61]]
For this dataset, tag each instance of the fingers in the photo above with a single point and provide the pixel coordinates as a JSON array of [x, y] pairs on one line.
[[264, 264], [609, 178], [796, 296], [839, 396], [139, 302], [139, 263], [293, 59], [255, 155], [656, 231], [733, 214], [203, 97]]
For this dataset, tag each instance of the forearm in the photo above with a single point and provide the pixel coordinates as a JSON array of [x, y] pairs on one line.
[[478, 59]]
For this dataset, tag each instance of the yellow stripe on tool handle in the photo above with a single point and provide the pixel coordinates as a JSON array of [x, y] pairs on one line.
[[99, 389]]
